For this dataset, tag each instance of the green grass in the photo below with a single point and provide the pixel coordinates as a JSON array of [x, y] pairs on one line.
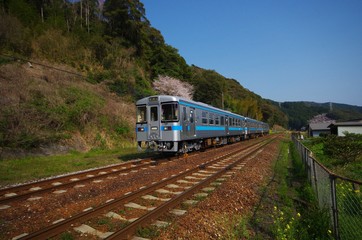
[[314, 222], [288, 209], [30, 168], [235, 226], [150, 231]]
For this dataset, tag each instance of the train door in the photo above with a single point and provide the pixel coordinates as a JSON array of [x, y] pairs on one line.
[[243, 127], [227, 125], [154, 132], [192, 132], [188, 122]]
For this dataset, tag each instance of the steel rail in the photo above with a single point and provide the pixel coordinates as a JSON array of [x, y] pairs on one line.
[[45, 184], [129, 230], [61, 226], [48, 188], [28, 185]]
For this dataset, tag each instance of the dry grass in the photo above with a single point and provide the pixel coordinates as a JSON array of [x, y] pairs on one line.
[[49, 106]]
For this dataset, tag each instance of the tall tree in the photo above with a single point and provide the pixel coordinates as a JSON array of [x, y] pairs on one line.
[[23, 10], [88, 11], [126, 19]]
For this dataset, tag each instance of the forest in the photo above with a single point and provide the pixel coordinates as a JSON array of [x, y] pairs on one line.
[[114, 41], [108, 48]]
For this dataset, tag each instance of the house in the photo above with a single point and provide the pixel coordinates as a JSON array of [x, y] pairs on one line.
[[315, 129], [352, 126]]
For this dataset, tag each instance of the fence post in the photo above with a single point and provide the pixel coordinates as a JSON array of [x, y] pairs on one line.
[[334, 207], [315, 179]]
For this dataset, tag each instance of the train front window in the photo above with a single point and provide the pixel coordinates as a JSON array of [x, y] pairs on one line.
[[169, 112], [154, 114], [141, 114]]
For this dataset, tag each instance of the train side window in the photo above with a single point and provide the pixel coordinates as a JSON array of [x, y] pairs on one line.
[[222, 121], [204, 118], [141, 114], [154, 113], [184, 114], [211, 119], [217, 120]]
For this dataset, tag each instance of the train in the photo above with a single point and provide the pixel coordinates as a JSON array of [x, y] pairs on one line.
[[177, 125]]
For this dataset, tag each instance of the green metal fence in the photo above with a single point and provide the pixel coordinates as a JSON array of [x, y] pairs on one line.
[[342, 196]]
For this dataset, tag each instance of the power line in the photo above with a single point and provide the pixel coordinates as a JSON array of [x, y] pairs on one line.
[[41, 64]]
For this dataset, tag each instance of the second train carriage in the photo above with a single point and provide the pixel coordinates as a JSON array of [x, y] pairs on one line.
[[174, 124]]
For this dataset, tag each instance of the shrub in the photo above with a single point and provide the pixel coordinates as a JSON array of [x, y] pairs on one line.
[[55, 45], [80, 107], [13, 36], [346, 149]]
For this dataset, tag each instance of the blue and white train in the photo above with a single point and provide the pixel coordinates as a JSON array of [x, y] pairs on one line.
[[174, 124]]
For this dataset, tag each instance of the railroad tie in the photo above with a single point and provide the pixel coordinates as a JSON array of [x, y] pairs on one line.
[[85, 229]]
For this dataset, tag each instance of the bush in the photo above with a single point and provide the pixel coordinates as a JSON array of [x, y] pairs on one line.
[[41, 120], [55, 45], [13, 36], [345, 149], [80, 107]]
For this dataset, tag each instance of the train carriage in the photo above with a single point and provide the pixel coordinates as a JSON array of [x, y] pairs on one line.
[[174, 124]]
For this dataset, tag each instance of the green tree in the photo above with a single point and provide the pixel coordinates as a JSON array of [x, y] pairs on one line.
[[126, 19], [167, 61], [23, 10]]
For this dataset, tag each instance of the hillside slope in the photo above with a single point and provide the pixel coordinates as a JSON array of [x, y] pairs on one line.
[[48, 111]]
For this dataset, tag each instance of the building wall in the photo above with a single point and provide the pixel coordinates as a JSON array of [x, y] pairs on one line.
[[315, 133], [350, 129]]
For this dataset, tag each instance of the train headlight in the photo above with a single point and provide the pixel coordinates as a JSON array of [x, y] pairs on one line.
[[167, 128], [140, 129]]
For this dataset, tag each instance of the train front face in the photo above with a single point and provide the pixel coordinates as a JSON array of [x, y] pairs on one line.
[[158, 124]]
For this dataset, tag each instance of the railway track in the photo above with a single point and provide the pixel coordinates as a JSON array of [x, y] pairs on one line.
[[25, 191], [34, 190], [151, 201]]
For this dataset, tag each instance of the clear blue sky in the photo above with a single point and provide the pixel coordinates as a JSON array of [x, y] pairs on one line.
[[284, 50]]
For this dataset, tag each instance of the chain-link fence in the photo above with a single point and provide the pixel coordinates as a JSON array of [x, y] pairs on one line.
[[340, 195]]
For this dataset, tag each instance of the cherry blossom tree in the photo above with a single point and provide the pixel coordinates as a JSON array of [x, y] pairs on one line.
[[172, 86]]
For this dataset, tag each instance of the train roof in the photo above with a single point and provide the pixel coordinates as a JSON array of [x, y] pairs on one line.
[[168, 98]]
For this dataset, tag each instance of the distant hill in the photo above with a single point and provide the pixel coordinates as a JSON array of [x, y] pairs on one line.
[[300, 112]]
